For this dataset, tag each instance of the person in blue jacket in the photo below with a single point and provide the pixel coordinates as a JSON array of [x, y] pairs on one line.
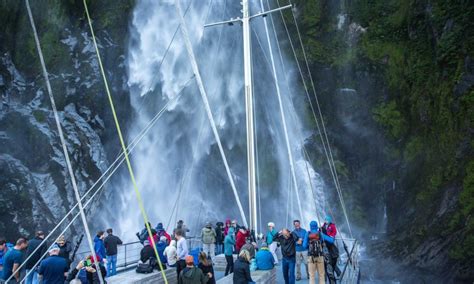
[[229, 242], [160, 247], [99, 246], [301, 252], [264, 258], [4, 247], [313, 242]]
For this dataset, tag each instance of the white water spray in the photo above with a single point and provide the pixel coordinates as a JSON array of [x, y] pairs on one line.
[[182, 146]]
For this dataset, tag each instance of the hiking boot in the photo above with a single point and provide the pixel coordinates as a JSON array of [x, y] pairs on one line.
[[298, 278]]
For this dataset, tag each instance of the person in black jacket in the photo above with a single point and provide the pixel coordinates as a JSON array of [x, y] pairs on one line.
[[146, 252], [219, 238], [242, 269], [288, 241], [111, 242], [88, 272], [65, 248], [205, 265], [34, 258]]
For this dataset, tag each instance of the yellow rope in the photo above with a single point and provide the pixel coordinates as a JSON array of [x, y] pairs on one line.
[[124, 148]]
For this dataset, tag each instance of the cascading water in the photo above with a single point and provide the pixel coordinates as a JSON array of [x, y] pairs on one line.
[[179, 155]]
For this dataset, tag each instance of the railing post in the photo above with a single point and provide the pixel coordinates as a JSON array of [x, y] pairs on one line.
[[125, 253]]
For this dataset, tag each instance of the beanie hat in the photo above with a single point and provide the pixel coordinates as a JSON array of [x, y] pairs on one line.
[[159, 226]]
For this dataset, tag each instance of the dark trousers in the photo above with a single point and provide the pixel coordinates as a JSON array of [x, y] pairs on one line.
[[180, 265], [288, 267], [230, 264]]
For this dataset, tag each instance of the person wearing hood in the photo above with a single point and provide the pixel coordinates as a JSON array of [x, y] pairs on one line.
[[227, 227], [161, 232], [99, 246], [271, 242], [329, 232], [264, 258], [191, 274], [170, 254], [241, 238], [219, 238], [313, 241], [229, 242], [208, 238], [160, 247], [242, 269]]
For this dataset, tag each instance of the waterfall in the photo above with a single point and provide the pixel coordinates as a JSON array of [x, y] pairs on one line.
[[180, 153]]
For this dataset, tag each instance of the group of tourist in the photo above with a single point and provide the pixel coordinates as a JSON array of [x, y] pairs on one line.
[[41, 263], [314, 249]]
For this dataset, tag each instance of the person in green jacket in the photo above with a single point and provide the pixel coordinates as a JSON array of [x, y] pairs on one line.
[[191, 274], [270, 240], [229, 243]]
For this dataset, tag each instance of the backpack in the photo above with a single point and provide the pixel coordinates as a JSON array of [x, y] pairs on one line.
[[315, 247], [146, 267]]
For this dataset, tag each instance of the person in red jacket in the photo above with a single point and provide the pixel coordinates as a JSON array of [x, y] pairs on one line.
[[160, 231], [240, 240]]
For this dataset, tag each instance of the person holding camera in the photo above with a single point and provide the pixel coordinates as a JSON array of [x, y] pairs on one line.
[[86, 271]]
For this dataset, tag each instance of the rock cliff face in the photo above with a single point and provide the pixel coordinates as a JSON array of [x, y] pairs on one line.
[[36, 190]]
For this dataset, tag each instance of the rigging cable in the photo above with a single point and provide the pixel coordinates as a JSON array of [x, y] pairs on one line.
[[64, 147], [322, 121], [130, 148], [291, 95], [331, 166], [282, 114], [122, 143], [202, 91]]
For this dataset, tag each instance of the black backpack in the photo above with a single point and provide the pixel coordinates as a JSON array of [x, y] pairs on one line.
[[146, 267], [315, 246]]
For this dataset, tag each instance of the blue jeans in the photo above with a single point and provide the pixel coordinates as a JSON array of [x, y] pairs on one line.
[[32, 278], [288, 267], [219, 249], [111, 265]]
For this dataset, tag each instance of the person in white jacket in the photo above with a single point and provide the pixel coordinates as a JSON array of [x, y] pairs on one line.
[[171, 254]]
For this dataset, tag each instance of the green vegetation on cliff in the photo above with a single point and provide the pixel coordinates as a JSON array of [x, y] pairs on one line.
[[423, 52]]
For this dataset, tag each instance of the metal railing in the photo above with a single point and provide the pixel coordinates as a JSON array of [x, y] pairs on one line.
[[128, 254], [349, 259]]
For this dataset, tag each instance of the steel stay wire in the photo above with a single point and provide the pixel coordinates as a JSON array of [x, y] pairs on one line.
[[64, 148], [130, 148], [331, 166]]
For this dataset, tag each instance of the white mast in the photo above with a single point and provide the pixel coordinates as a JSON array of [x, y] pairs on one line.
[[249, 103], [249, 116]]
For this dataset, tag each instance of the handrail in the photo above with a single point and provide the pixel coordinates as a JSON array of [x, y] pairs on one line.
[[349, 259], [128, 254]]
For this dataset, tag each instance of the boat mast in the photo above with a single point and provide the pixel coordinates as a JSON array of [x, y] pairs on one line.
[[249, 116], [248, 89]]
